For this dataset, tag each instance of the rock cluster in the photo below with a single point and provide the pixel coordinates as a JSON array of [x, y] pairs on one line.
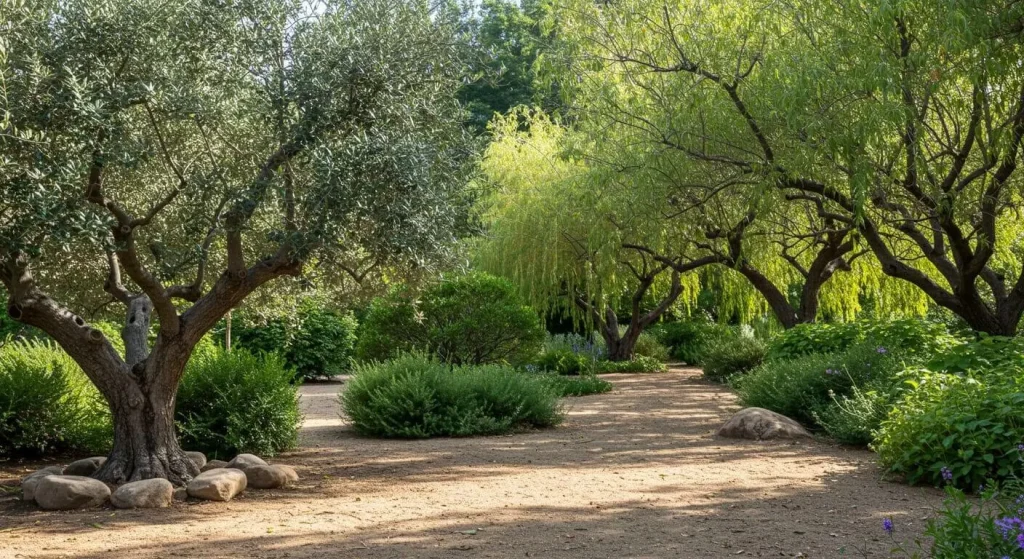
[[57, 488]]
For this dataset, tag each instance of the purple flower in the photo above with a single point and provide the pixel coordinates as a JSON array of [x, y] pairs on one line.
[[1020, 448], [887, 526], [947, 474], [882, 350]]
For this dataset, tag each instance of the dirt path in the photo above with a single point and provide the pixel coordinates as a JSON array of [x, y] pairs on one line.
[[635, 473]]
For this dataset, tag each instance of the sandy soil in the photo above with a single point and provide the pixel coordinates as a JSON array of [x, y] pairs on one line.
[[635, 473]]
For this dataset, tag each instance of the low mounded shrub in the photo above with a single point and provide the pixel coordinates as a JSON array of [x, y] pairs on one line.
[[474, 319], [638, 364], [687, 340], [564, 362], [647, 345], [804, 387], [581, 385], [234, 402], [733, 356], [414, 396], [47, 404]]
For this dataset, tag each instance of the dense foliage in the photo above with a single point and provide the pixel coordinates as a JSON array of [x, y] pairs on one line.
[[688, 340], [472, 319], [316, 342], [235, 402], [732, 356], [414, 396], [914, 336], [47, 405]]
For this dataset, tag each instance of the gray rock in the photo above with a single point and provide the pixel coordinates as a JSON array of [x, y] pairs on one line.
[[271, 477], [71, 492], [760, 424], [180, 493], [220, 484], [146, 494], [245, 461], [213, 465], [28, 485], [198, 458], [85, 467]]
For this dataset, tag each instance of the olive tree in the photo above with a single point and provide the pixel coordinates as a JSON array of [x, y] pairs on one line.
[[195, 151]]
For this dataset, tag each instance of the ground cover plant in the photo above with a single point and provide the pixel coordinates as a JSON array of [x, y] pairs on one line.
[[727, 357], [416, 396]]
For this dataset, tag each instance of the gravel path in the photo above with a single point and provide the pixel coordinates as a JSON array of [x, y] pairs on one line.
[[636, 473]]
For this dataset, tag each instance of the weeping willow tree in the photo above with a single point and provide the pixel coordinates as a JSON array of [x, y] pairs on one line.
[[899, 122], [564, 237]]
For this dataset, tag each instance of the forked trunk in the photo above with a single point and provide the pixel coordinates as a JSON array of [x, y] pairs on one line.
[[145, 445]]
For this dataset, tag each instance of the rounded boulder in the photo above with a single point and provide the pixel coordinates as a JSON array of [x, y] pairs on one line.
[[70, 492], [145, 494], [28, 485], [85, 467], [271, 476], [221, 484], [760, 424]]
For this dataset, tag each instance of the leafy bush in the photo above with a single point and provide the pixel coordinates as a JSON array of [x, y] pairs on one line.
[[565, 362], [647, 345], [318, 343], [575, 343], [324, 343], [732, 356], [806, 386], [474, 319], [854, 419], [987, 353], [233, 402], [415, 396], [908, 336], [581, 385], [639, 364], [688, 340], [965, 529], [962, 429], [47, 405]]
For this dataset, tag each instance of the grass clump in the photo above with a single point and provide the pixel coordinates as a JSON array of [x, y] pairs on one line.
[[581, 385], [414, 396], [733, 356]]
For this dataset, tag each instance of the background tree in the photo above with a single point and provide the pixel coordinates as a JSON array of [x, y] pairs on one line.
[[167, 141], [915, 146], [562, 237]]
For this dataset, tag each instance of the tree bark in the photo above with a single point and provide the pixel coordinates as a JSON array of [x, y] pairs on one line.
[[145, 445]]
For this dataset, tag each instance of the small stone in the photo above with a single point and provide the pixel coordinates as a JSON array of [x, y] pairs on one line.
[[85, 467], [180, 493], [221, 484], [146, 494], [28, 485], [761, 424], [213, 465], [198, 458], [245, 461], [271, 477], [70, 492]]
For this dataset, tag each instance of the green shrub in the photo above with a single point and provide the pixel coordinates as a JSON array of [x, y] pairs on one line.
[[593, 350], [854, 419], [989, 527], [474, 319], [639, 364], [987, 353], [564, 362], [732, 356], [581, 385], [234, 402], [414, 396], [966, 427], [317, 343], [688, 340], [47, 405], [803, 387], [907, 336], [324, 343], [647, 345]]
